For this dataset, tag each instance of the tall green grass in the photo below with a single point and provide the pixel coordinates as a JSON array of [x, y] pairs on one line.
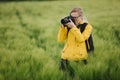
[[28, 40]]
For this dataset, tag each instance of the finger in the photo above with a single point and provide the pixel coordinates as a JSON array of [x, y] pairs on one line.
[[70, 20], [62, 25], [68, 23]]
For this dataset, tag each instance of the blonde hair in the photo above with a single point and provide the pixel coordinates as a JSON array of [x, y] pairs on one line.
[[79, 10]]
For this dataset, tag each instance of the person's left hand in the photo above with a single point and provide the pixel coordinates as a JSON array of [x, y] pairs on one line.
[[70, 24]]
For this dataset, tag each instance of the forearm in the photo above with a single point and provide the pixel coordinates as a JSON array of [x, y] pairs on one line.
[[62, 34], [80, 37]]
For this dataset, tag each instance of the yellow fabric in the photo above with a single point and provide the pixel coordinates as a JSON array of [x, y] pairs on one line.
[[62, 35], [75, 48]]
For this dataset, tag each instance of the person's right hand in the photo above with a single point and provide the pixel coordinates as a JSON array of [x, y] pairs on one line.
[[70, 24]]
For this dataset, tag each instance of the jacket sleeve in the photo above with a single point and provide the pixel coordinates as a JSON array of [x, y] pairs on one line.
[[62, 34], [80, 37]]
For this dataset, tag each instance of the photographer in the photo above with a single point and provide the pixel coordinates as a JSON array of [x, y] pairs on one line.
[[75, 36]]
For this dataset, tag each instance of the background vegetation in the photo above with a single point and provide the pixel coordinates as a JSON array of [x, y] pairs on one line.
[[32, 0], [28, 40]]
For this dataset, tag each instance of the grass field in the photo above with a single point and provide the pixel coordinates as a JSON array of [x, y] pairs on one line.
[[28, 40]]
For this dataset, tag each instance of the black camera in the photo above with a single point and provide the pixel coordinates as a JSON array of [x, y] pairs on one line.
[[66, 20]]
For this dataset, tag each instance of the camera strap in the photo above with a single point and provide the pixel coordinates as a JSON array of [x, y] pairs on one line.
[[89, 41]]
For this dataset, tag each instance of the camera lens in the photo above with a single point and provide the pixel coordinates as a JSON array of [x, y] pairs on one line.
[[65, 20]]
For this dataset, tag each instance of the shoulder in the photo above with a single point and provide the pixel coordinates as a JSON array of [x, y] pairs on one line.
[[88, 25]]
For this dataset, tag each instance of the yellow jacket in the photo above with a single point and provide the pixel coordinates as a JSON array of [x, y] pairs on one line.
[[75, 48]]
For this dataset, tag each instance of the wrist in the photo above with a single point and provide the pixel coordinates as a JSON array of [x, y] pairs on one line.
[[73, 26]]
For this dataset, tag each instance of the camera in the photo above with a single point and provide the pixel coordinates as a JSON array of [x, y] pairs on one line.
[[66, 20]]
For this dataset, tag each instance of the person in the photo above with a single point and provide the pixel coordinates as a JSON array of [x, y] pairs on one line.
[[75, 47]]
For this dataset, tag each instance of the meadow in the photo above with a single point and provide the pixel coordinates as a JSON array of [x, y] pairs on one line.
[[28, 40]]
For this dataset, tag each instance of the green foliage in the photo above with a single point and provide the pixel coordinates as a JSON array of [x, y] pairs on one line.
[[28, 40], [28, 0]]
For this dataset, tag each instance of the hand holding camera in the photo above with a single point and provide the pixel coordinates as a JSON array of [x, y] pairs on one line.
[[68, 22]]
